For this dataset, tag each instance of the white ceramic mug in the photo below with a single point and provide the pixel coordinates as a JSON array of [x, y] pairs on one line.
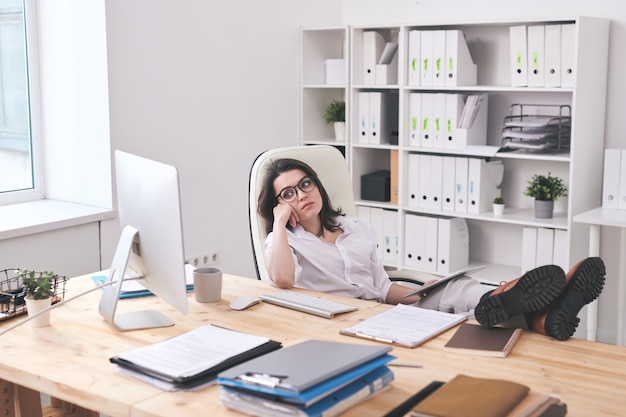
[[207, 284]]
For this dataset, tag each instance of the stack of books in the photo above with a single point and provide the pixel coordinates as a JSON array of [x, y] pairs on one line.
[[466, 396], [309, 379]]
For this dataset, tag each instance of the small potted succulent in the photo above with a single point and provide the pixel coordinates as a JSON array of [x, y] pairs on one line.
[[335, 115], [498, 206], [38, 289], [545, 189]]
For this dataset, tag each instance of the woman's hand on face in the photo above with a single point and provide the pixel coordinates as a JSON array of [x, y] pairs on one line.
[[285, 214]]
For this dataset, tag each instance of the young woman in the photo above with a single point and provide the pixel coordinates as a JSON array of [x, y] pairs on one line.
[[311, 244]]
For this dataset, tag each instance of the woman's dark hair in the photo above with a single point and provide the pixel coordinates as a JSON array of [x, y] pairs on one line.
[[268, 200]]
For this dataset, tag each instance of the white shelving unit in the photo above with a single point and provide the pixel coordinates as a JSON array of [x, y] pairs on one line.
[[494, 240]]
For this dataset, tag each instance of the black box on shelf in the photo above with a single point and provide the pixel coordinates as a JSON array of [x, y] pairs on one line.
[[376, 186]]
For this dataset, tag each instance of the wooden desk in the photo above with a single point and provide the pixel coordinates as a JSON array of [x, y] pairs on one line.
[[69, 360]]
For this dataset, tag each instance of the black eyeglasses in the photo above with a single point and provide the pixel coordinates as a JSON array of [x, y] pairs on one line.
[[289, 194]]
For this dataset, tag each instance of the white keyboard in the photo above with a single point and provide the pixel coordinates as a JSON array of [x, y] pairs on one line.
[[307, 303]]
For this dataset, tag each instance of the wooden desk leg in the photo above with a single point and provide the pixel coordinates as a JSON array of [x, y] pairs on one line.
[[29, 402], [592, 308], [7, 398]]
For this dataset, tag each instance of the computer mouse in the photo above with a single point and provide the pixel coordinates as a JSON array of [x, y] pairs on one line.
[[243, 302]]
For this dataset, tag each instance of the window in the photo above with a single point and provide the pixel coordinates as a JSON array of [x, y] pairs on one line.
[[18, 179]]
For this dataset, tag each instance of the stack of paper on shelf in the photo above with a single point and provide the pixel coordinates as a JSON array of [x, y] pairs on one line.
[[194, 358], [466, 396], [311, 378]]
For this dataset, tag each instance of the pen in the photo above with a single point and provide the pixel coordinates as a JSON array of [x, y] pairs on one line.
[[406, 364]]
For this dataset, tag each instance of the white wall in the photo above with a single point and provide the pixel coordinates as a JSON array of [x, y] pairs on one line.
[[207, 86]]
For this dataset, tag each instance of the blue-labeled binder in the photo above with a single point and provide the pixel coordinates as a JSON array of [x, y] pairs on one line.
[[331, 405], [305, 372]]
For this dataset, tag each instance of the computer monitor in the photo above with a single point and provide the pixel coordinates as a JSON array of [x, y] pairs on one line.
[[150, 248]]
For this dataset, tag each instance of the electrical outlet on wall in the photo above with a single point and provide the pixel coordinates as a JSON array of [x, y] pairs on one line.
[[206, 259]]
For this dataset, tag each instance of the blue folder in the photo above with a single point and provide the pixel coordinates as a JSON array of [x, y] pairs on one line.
[[333, 404], [306, 372]]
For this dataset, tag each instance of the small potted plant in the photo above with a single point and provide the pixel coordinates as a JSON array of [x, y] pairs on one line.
[[545, 189], [335, 115], [498, 206], [39, 289]]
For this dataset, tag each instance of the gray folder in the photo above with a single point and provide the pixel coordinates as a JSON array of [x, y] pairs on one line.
[[304, 365]]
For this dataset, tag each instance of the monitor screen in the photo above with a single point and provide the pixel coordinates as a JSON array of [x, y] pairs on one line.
[[150, 248]]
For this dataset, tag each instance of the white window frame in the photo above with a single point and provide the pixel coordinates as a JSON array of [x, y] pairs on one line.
[[37, 150]]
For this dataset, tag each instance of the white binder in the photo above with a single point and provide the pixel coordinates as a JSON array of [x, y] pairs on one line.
[[552, 56], [390, 228], [452, 244], [454, 108], [529, 249], [459, 66], [439, 56], [413, 180], [483, 182], [461, 171], [373, 44], [364, 213], [415, 119], [536, 56], [413, 232], [364, 117], [447, 183], [426, 55], [611, 184], [519, 56], [568, 64], [436, 181], [560, 254], [622, 182], [376, 214], [425, 181], [439, 119], [376, 119], [413, 70], [429, 240], [428, 120], [545, 246]]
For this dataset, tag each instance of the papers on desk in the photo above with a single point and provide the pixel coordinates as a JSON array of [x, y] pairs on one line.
[[404, 325], [193, 358]]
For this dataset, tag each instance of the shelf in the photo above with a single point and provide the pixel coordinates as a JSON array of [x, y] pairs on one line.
[[520, 217], [489, 45]]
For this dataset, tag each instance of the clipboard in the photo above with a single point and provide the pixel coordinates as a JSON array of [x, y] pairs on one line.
[[423, 292]]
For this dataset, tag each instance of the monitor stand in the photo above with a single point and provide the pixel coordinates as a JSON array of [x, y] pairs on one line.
[[127, 259]]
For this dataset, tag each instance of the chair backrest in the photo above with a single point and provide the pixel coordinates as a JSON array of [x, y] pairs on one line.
[[332, 169]]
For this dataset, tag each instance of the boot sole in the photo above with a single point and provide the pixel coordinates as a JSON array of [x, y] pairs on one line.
[[535, 290], [584, 286]]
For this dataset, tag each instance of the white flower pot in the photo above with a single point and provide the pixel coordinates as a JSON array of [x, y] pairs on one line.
[[498, 209], [35, 306], [340, 131]]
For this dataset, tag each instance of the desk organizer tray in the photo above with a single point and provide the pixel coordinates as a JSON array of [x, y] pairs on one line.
[[12, 293]]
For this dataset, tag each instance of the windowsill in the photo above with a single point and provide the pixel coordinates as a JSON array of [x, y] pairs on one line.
[[46, 215]]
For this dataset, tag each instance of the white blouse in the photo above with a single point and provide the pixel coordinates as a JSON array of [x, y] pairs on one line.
[[349, 267]]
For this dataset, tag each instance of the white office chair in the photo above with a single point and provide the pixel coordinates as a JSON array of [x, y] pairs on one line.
[[330, 165]]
